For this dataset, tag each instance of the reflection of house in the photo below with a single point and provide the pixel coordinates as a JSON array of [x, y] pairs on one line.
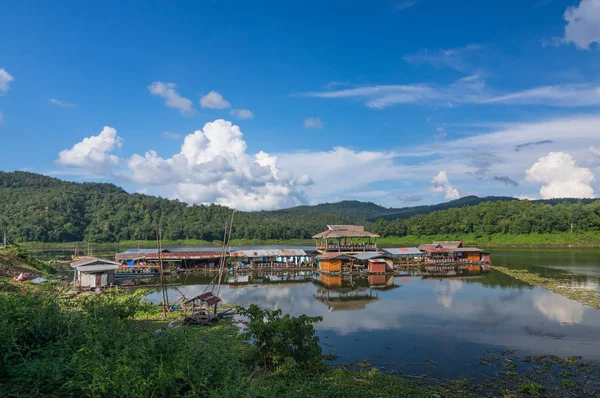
[[346, 238], [343, 298], [382, 282], [274, 258], [93, 272]]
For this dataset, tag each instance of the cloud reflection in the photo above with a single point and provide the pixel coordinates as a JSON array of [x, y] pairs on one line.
[[558, 308]]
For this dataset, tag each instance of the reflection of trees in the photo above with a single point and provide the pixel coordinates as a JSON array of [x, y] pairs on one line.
[[497, 279]]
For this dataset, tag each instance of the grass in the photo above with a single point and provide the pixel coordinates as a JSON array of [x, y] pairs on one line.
[[561, 284]]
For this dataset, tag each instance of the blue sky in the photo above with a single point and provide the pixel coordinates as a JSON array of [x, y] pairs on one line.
[[269, 104]]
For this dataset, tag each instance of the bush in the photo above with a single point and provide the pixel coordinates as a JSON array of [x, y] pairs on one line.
[[283, 343]]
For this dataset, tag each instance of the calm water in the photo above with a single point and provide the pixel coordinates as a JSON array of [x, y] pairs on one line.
[[399, 322]]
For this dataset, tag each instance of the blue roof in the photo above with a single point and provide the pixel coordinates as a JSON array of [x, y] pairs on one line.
[[402, 251]]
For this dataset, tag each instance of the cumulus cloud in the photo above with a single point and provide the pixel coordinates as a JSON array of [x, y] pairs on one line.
[[406, 197], [213, 167], [561, 177], [171, 135], [62, 104], [595, 151], [214, 100], [313, 123], [172, 98], [93, 152], [242, 113], [583, 24], [441, 184], [5, 79], [558, 308]]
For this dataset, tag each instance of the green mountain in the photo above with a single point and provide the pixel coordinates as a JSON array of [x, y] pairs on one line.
[[35, 207]]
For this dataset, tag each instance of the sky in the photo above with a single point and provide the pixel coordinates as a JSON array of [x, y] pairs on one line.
[[271, 104]]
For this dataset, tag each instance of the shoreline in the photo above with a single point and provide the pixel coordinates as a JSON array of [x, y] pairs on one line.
[[576, 240]]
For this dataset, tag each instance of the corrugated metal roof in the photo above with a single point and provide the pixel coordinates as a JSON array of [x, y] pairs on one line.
[[88, 261], [184, 255], [468, 249], [424, 246], [436, 250], [330, 256], [402, 251], [269, 253], [96, 268], [367, 256]]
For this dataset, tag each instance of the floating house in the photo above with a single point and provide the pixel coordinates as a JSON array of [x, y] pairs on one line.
[[184, 260], [334, 262], [379, 266], [93, 272], [404, 254], [274, 258], [453, 251], [345, 238]]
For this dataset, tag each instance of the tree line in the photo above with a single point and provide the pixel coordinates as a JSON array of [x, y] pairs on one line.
[[37, 208]]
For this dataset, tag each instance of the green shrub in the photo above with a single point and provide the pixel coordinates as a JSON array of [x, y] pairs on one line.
[[282, 343]]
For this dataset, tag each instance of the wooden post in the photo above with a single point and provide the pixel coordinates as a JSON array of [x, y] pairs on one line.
[[161, 272]]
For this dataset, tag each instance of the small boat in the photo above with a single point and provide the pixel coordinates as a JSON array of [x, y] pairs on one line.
[[24, 276]]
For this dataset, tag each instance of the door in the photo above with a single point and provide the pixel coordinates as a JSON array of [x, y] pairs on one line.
[[104, 280], [92, 280]]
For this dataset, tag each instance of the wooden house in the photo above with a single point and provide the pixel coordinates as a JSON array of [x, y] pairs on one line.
[[379, 266], [333, 262], [93, 272], [346, 238]]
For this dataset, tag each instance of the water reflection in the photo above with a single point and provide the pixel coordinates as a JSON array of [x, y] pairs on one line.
[[407, 318], [558, 308]]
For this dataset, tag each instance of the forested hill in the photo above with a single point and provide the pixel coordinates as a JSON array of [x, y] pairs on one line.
[[38, 208]]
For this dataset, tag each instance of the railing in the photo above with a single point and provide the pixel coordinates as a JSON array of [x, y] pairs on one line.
[[348, 248]]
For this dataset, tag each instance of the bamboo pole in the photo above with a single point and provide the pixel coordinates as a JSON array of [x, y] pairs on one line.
[[161, 271]]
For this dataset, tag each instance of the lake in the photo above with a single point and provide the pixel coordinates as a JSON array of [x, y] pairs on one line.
[[439, 327]]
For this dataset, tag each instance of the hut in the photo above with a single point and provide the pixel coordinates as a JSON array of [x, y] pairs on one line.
[[183, 260], [345, 238], [379, 266], [404, 254], [273, 258], [451, 245], [93, 272], [333, 262]]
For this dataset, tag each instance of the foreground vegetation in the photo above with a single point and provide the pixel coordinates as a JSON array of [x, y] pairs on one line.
[[36, 208], [116, 345]]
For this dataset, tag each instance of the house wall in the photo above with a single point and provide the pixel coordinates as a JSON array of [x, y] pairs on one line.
[[100, 279], [331, 265], [377, 267], [474, 256]]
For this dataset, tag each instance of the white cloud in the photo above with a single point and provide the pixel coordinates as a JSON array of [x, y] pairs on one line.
[[242, 113], [467, 90], [93, 152], [171, 135], [214, 100], [451, 57], [442, 184], [567, 95], [62, 103], [447, 290], [172, 98], [213, 167], [558, 308], [5, 79], [403, 5], [561, 177], [313, 123], [595, 151], [583, 24]]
